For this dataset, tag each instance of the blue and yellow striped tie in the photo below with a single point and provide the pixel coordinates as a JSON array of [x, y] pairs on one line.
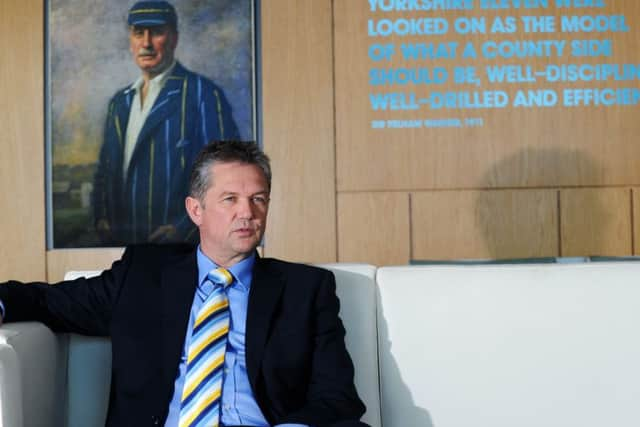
[[202, 392]]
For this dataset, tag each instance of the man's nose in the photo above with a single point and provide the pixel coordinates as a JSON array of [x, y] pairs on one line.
[[146, 38], [245, 208]]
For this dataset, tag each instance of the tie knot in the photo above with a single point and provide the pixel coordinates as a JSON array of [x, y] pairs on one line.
[[220, 276]]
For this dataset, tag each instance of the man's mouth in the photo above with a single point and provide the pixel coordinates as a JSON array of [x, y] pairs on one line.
[[244, 231], [144, 53]]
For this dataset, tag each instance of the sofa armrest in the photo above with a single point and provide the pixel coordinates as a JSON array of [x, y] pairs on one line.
[[10, 388], [35, 362]]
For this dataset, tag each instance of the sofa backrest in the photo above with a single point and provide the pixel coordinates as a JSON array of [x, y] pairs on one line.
[[355, 286], [90, 358], [89, 374], [501, 346]]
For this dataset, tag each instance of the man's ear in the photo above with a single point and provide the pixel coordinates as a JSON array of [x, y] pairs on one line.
[[175, 40], [194, 210]]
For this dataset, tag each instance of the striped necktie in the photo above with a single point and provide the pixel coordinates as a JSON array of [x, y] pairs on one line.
[[202, 392]]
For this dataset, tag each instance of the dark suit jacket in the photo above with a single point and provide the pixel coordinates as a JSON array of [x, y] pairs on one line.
[[297, 363]]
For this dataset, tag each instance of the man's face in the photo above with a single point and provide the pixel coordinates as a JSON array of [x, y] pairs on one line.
[[232, 216], [153, 47]]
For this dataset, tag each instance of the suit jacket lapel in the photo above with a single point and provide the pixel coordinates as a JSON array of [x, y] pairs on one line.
[[121, 121], [124, 110], [266, 288], [169, 99], [118, 121], [178, 286]]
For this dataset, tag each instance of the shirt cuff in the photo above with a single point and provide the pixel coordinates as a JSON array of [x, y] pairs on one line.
[[1, 310]]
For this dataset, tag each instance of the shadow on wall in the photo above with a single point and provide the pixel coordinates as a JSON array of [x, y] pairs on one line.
[[396, 398], [519, 212]]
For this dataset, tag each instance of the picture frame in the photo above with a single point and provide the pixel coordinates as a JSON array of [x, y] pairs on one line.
[[91, 69]]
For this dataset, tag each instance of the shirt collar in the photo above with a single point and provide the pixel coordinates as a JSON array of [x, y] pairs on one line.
[[242, 271], [158, 80]]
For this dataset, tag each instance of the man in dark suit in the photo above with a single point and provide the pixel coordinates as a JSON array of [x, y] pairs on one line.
[[154, 129], [285, 361]]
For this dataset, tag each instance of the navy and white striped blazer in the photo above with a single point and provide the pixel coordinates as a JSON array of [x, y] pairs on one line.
[[189, 112]]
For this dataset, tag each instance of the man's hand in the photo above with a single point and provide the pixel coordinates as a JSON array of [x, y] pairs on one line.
[[164, 233]]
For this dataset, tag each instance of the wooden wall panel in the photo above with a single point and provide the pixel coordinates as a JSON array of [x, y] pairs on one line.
[[595, 221], [22, 214], [63, 260], [298, 128], [374, 228], [460, 158], [484, 224], [635, 220], [59, 261], [544, 151]]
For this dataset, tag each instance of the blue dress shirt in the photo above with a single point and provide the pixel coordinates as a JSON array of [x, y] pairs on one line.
[[238, 406]]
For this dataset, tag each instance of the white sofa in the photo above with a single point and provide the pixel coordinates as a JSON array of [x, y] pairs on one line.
[[552, 345]]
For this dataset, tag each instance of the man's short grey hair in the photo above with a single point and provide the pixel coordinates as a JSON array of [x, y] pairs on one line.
[[225, 152]]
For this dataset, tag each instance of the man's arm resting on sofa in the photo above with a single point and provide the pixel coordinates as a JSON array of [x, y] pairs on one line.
[[83, 305]]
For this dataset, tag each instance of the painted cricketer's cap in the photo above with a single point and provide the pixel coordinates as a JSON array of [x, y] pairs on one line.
[[152, 13]]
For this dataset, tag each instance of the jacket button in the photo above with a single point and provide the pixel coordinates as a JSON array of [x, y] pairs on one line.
[[155, 421]]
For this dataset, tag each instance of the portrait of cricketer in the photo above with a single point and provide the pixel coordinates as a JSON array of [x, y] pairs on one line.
[[154, 128]]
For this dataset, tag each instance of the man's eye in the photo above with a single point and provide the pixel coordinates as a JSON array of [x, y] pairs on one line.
[[260, 200], [229, 199]]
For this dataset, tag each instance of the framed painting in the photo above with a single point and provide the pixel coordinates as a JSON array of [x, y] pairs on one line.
[[134, 90]]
